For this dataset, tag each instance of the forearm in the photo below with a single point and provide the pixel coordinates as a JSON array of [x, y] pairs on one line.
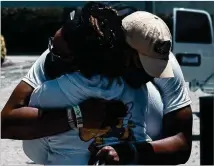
[[175, 147], [30, 115], [33, 125], [34, 131], [169, 151], [23, 115]]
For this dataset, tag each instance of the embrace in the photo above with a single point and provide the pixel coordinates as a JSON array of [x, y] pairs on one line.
[[108, 90]]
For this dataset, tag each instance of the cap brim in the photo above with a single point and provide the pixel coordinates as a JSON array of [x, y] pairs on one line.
[[156, 67]]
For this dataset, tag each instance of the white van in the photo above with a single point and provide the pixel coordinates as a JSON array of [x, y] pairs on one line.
[[193, 46]]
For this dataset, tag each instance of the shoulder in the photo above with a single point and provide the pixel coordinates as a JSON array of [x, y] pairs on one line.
[[175, 66], [174, 91], [41, 60], [36, 74], [178, 78]]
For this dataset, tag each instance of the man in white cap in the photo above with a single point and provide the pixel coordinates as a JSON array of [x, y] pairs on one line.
[[169, 122]]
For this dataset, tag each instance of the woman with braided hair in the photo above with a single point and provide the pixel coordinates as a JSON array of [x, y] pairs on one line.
[[104, 44], [88, 50], [95, 34]]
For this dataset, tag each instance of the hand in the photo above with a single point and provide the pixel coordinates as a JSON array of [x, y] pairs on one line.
[[99, 115], [115, 154], [107, 155]]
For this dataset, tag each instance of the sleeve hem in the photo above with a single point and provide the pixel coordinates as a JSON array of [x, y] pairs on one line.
[[30, 82], [177, 106]]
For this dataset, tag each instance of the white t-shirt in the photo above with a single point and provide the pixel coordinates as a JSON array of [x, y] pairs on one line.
[[147, 105]]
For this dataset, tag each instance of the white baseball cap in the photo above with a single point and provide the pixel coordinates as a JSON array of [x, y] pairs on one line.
[[150, 36]]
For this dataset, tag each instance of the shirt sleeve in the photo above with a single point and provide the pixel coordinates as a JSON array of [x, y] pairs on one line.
[[36, 74], [174, 91], [58, 93]]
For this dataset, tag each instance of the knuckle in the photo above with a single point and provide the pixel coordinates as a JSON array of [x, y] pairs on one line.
[[108, 147]]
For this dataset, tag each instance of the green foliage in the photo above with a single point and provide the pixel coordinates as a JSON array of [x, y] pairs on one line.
[[27, 30], [3, 49]]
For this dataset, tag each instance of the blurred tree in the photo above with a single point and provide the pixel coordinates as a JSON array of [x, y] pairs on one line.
[[27, 29], [3, 49]]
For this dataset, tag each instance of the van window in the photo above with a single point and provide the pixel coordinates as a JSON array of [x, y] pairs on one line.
[[192, 27]]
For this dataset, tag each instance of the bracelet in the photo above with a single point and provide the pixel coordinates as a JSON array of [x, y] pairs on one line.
[[78, 115], [70, 118], [146, 153], [134, 149], [127, 152]]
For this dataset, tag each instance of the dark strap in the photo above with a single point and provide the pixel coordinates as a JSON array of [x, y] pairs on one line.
[[55, 68], [50, 68], [122, 9]]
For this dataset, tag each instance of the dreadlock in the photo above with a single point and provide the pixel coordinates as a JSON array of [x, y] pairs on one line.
[[96, 37]]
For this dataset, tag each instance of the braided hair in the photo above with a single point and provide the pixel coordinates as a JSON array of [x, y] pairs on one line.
[[97, 39]]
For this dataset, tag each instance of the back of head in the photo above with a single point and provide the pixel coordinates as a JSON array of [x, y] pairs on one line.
[[97, 39]]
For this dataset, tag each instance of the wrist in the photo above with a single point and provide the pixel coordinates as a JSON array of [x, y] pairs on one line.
[[78, 116], [145, 152], [52, 113], [71, 118], [74, 116], [127, 153]]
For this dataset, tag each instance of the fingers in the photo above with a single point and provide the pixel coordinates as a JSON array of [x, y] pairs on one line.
[[104, 150], [108, 155], [112, 156]]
